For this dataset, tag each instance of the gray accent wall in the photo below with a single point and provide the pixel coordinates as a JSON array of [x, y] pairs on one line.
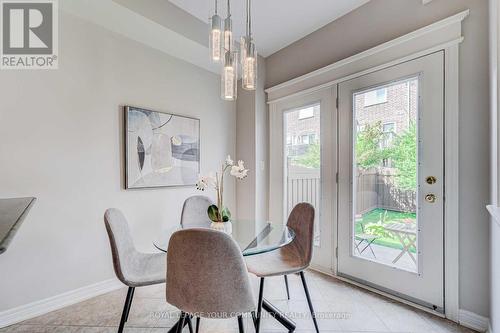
[[252, 146], [495, 167], [380, 21]]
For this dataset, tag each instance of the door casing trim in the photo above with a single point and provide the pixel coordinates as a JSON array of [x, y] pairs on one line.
[[445, 35]]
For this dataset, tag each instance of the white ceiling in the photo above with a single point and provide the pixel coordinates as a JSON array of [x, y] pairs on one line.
[[276, 23]]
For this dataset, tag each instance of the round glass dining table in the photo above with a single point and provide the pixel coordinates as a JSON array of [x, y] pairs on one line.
[[253, 237]]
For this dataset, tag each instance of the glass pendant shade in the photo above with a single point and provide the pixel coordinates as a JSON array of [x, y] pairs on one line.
[[228, 34], [229, 76], [243, 49], [249, 66], [216, 39]]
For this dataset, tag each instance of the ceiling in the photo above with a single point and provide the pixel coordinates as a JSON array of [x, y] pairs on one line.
[[276, 23]]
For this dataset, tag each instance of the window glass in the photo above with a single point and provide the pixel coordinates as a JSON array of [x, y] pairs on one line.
[[306, 113], [374, 97]]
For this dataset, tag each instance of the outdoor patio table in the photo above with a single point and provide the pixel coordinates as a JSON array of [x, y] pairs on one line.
[[407, 236]]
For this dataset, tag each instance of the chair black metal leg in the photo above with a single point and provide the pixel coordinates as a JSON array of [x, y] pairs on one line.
[[240, 324], [259, 306], [286, 285], [190, 324], [182, 322], [303, 278], [371, 249], [254, 319], [130, 302], [126, 308], [198, 319]]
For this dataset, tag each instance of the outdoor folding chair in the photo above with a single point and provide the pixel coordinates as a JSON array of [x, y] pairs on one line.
[[364, 237]]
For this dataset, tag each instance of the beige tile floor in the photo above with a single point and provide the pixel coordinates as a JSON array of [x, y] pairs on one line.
[[340, 306]]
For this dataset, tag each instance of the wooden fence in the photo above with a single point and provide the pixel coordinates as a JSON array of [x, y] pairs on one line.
[[374, 189], [377, 189]]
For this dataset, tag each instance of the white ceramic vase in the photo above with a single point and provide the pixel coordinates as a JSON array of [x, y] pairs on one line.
[[226, 227]]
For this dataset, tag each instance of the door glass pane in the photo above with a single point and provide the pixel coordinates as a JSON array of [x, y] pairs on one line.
[[384, 220], [303, 159]]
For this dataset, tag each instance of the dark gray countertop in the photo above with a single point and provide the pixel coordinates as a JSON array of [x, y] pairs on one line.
[[12, 213]]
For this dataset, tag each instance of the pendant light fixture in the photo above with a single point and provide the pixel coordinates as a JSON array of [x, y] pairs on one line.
[[229, 76], [228, 29], [216, 50], [222, 50], [248, 54]]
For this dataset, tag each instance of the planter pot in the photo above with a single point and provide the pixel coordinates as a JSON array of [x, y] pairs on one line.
[[226, 227]]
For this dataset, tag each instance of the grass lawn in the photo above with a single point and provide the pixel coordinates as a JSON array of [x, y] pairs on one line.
[[392, 216]]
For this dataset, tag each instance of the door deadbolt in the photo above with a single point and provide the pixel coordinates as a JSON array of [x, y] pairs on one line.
[[430, 198], [431, 180]]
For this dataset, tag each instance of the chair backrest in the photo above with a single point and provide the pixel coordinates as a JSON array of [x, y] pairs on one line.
[[301, 221], [194, 212], [122, 246], [206, 274]]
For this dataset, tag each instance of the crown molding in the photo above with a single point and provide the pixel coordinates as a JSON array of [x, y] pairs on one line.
[[421, 35]]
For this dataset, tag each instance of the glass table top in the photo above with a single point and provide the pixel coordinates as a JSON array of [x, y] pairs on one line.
[[253, 237]]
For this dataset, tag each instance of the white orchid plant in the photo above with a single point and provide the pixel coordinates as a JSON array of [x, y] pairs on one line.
[[220, 213]]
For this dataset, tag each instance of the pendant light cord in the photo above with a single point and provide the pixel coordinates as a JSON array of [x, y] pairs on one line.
[[246, 25], [228, 8], [250, 18], [216, 7]]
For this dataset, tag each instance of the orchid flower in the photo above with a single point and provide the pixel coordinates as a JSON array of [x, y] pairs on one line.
[[217, 182], [205, 182], [239, 170]]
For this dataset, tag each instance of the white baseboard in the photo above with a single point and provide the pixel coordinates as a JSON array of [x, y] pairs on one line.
[[473, 321], [31, 310]]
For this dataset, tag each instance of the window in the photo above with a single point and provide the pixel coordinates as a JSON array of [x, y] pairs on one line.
[[288, 139], [388, 134], [306, 113], [305, 139], [312, 138], [374, 97]]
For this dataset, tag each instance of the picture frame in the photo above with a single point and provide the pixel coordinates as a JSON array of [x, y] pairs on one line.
[[161, 149]]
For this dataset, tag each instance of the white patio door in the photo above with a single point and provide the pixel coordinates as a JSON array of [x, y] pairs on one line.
[[390, 221], [302, 150]]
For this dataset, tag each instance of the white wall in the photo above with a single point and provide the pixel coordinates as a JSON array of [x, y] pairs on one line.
[[61, 141], [379, 21]]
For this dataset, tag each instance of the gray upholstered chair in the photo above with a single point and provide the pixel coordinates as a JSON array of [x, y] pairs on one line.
[[194, 215], [133, 268], [207, 276], [194, 212], [292, 258]]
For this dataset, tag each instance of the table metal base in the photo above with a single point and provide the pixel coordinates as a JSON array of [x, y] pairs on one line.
[[278, 315], [269, 308], [174, 328]]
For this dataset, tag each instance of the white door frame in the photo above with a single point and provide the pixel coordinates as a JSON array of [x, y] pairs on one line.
[[425, 285], [327, 212], [443, 35]]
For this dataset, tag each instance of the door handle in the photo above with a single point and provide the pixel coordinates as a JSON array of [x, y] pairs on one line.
[[430, 198], [431, 180]]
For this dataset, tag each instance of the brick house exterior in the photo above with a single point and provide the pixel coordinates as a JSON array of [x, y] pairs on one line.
[[396, 106], [302, 128]]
